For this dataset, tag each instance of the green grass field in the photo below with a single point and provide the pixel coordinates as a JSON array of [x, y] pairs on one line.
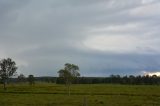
[[95, 94]]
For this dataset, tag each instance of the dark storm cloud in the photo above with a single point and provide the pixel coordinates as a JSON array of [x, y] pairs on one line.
[[43, 35]]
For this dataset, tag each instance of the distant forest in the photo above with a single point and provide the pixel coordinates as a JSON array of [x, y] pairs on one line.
[[70, 74], [112, 79]]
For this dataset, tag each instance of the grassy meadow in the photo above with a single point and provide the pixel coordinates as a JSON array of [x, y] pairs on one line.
[[45, 94]]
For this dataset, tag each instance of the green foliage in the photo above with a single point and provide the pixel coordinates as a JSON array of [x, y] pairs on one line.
[[31, 79], [7, 69], [69, 73], [21, 78]]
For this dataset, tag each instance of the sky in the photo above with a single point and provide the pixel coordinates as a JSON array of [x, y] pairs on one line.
[[102, 37]]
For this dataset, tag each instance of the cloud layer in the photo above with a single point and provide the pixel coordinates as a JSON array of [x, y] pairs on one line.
[[102, 37]]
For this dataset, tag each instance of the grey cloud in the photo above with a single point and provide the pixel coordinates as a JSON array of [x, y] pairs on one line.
[[43, 35]]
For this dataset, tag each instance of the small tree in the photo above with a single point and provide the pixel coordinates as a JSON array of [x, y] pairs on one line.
[[31, 79], [69, 73], [7, 69], [21, 78]]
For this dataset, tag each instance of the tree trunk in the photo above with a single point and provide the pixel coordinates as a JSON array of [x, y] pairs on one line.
[[4, 85], [69, 92], [68, 87]]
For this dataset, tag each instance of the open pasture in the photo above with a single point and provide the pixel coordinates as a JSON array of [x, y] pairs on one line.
[[43, 94]]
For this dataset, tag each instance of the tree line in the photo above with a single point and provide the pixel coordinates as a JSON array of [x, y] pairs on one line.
[[116, 79], [70, 74], [112, 79]]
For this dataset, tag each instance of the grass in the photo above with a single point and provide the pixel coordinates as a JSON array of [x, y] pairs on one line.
[[43, 94]]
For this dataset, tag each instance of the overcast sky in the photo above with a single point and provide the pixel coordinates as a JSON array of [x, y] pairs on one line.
[[102, 37]]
